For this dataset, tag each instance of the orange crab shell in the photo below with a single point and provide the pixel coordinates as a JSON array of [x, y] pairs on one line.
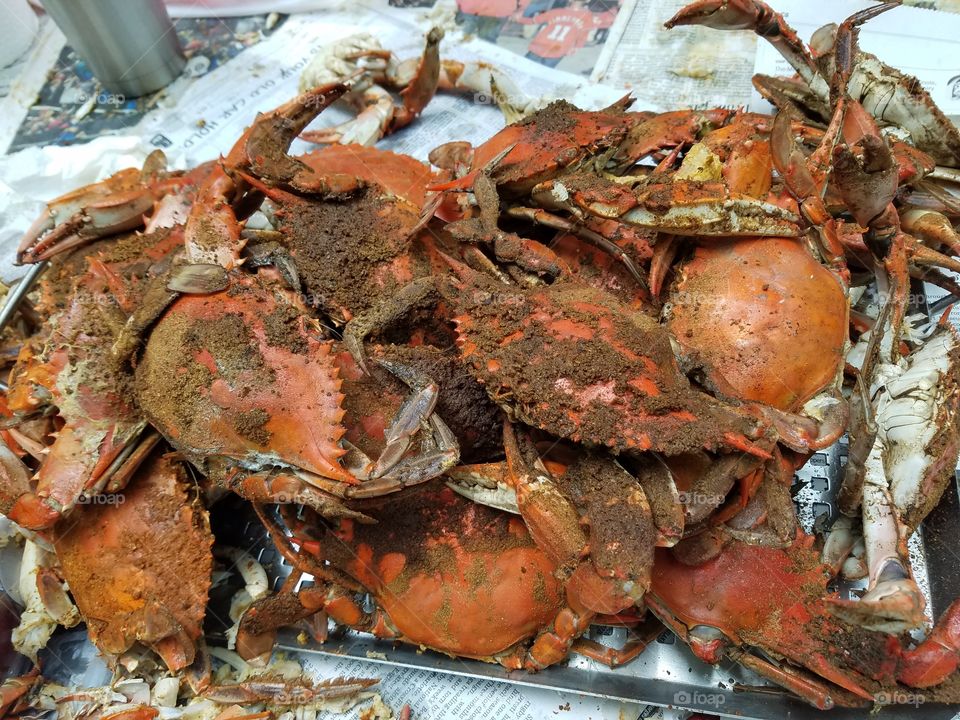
[[452, 575], [139, 564], [236, 374], [399, 175], [574, 361], [763, 317], [776, 600], [351, 250]]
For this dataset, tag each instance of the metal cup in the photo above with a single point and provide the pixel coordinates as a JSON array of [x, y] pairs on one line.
[[130, 45]]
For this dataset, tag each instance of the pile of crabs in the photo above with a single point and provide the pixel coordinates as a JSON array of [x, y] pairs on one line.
[[561, 378]]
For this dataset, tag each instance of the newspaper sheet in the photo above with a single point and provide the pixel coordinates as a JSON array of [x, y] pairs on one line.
[[683, 67]]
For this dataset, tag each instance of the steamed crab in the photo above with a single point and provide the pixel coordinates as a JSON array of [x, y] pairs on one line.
[[447, 574], [890, 96], [370, 82], [129, 582], [905, 441], [775, 601], [374, 72], [91, 291], [156, 595], [258, 369]]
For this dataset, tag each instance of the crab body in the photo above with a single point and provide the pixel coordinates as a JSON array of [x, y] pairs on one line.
[[139, 568], [576, 362], [73, 368], [762, 318], [250, 377], [449, 574], [349, 250], [775, 600]]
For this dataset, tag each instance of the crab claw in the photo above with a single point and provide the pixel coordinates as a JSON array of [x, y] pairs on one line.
[[721, 14], [867, 180], [937, 657], [892, 606], [418, 94], [264, 147], [104, 208]]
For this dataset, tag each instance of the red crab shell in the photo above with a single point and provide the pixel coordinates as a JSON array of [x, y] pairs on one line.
[[764, 319], [777, 600], [237, 374], [398, 174], [139, 567], [349, 251], [576, 362], [544, 143], [451, 574]]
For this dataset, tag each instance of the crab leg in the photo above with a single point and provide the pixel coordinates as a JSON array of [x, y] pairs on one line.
[[413, 471], [542, 217], [110, 206], [271, 486], [256, 628], [914, 451], [609, 583], [379, 115], [286, 693], [419, 92], [12, 690], [938, 656], [77, 460], [761, 19], [700, 210], [806, 180], [932, 227], [616, 657]]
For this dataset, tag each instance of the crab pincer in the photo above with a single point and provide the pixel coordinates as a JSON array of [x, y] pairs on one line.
[[118, 203]]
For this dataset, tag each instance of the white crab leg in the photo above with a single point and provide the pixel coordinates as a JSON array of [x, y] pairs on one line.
[[256, 586], [914, 409], [881, 528], [38, 621]]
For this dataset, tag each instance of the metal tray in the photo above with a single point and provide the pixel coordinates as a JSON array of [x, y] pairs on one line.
[[667, 673]]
